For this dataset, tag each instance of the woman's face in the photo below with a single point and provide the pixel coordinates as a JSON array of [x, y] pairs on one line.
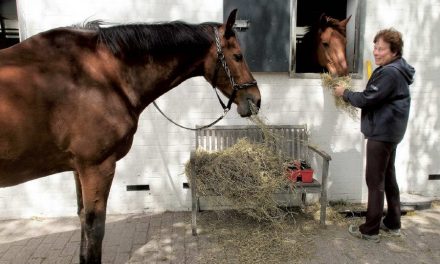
[[382, 53]]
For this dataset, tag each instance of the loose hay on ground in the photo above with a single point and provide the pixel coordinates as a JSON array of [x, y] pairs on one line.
[[238, 238], [244, 240]]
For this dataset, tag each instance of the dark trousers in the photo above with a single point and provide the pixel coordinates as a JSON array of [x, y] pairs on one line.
[[381, 179]]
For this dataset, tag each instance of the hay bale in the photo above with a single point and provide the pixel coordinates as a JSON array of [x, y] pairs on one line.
[[247, 174], [330, 82]]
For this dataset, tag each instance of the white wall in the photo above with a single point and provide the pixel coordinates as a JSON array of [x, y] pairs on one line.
[[161, 149]]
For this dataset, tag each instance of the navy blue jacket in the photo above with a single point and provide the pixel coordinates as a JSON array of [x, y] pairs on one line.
[[385, 102]]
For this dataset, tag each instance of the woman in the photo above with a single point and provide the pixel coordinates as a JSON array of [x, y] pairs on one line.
[[385, 105]]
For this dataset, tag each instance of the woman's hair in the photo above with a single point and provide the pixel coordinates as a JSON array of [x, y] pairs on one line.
[[393, 37]]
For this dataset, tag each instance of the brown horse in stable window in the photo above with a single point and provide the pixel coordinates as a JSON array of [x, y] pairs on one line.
[[323, 47], [70, 100]]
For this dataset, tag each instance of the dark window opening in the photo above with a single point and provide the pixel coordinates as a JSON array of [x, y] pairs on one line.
[[8, 24]]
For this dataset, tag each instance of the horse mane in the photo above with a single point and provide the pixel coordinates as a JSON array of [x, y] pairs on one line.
[[334, 23], [159, 39]]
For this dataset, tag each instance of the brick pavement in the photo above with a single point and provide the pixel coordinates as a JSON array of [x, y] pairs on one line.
[[140, 238], [166, 238]]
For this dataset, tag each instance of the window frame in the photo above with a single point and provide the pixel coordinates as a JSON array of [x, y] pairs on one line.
[[356, 19]]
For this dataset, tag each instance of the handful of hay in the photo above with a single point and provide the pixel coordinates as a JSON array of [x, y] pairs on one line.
[[329, 82], [246, 174]]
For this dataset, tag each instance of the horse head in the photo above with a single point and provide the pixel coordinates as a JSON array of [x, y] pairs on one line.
[[332, 44], [227, 69]]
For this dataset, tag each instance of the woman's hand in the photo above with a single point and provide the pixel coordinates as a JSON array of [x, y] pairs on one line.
[[339, 90]]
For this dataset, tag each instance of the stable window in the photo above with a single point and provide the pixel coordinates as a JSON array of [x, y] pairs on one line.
[[8, 24], [263, 29], [271, 32], [305, 13]]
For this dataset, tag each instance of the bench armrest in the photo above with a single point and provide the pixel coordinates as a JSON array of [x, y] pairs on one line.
[[320, 152], [325, 166]]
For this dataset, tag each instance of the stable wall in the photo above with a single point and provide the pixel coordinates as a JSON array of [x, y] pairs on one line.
[[160, 149]]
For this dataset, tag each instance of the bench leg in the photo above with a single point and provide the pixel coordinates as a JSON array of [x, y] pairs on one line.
[[194, 201], [323, 199], [303, 198], [194, 209], [194, 216]]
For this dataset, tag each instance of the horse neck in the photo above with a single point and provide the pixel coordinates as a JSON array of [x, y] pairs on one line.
[[157, 58], [157, 76]]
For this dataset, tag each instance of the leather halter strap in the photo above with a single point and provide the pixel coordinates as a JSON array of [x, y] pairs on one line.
[[221, 62]]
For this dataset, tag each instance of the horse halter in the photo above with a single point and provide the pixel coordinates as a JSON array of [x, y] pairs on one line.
[[221, 61]]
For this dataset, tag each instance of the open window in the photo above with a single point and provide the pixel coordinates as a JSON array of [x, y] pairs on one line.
[[306, 13], [8, 24]]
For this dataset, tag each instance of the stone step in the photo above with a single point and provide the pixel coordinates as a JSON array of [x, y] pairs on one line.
[[418, 202], [408, 203]]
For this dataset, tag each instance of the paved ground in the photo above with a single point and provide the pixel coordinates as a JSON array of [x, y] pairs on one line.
[[166, 238]]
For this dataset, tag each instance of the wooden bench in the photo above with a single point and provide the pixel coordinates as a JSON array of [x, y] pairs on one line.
[[294, 143]]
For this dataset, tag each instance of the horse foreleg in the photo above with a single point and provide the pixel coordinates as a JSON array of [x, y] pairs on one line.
[[95, 183], [81, 215]]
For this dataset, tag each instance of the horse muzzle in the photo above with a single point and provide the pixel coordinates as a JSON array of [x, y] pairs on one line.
[[249, 106], [339, 68]]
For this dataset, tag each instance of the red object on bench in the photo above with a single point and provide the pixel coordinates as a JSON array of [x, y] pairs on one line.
[[306, 175]]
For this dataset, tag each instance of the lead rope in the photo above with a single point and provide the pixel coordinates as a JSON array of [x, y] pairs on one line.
[[225, 108], [189, 128]]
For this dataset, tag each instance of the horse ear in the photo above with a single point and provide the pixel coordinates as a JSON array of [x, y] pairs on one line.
[[229, 32], [323, 21], [344, 22]]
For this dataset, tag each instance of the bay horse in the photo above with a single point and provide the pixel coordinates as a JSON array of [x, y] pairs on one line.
[[70, 100], [323, 47]]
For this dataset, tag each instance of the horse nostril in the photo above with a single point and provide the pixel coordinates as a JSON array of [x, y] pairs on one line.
[[254, 102], [253, 106]]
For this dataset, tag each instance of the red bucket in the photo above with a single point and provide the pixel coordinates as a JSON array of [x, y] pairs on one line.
[[306, 175]]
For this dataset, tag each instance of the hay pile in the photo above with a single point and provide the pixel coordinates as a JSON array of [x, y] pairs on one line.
[[329, 82], [246, 174]]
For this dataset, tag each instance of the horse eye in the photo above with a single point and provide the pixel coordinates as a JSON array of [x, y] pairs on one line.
[[238, 57], [325, 44]]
